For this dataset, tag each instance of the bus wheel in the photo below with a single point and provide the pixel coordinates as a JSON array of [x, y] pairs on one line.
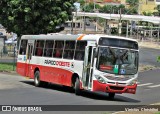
[[77, 87], [111, 95], [37, 81]]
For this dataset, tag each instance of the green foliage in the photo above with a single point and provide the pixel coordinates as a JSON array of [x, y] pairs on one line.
[[113, 9], [132, 2], [158, 59], [34, 16], [147, 14], [106, 9], [158, 11], [158, 8], [90, 7], [133, 6], [82, 3]]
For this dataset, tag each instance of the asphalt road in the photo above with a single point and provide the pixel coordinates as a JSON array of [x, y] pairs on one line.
[[148, 56], [16, 90]]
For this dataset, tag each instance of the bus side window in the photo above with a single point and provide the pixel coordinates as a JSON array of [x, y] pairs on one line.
[[80, 50], [39, 47], [58, 49], [48, 48], [69, 50], [23, 47]]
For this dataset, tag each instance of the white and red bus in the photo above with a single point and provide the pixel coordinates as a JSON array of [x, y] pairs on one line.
[[98, 63]]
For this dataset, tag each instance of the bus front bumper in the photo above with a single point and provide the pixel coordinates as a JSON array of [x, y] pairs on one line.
[[112, 88]]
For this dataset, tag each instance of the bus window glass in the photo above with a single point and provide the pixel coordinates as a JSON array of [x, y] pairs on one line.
[[118, 43], [48, 48], [69, 50], [80, 50], [117, 61], [58, 50], [39, 47], [23, 47]]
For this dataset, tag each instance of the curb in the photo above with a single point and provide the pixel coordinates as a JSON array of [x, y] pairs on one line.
[[9, 72]]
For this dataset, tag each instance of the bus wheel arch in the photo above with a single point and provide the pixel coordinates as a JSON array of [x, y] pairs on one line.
[[76, 83], [36, 69], [37, 81]]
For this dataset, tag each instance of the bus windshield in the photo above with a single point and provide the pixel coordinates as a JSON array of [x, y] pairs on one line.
[[117, 61]]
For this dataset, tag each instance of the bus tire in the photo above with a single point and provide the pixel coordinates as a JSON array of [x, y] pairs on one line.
[[111, 95], [77, 87], [37, 81]]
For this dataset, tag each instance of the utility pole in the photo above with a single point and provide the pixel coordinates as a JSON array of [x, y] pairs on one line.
[[72, 25], [120, 24], [158, 32], [94, 6]]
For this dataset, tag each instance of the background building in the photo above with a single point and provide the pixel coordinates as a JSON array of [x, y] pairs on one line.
[[147, 6]]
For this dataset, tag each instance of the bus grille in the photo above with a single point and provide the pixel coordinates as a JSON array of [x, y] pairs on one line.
[[117, 78], [116, 88]]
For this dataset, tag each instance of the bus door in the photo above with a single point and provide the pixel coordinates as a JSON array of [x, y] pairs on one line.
[[88, 67], [29, 57]]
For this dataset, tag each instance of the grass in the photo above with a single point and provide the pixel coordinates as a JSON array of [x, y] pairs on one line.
[[157, 113], [6, 67], [158, 59]]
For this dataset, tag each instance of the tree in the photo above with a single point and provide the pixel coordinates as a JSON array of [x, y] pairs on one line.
[[132, 2], [133, 6], [82, 3], [158, 11], [147, 13], [34, 16], [113, 9], [106, 9], [123, 9], [90, 7]]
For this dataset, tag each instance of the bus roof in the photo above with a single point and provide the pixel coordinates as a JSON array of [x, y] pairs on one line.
[[73, 37]]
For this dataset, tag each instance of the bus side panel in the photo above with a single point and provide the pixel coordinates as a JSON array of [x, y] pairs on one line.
[[58, 75], [21, 68], [53, 75], [66, 77], [43, 75], [32, 70]]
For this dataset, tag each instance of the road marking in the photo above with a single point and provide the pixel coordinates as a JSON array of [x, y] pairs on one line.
[[154, 86], [145, 84]]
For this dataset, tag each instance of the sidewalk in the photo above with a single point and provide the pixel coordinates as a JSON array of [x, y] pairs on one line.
[[155, 45]]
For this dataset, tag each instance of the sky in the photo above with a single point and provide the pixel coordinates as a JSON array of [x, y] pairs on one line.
[[77, 6]]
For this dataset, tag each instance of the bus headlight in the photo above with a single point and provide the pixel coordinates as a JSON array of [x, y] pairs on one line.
[[100, 79], [133, 82]]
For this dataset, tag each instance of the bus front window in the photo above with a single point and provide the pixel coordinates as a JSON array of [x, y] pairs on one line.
[[117, 61]]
